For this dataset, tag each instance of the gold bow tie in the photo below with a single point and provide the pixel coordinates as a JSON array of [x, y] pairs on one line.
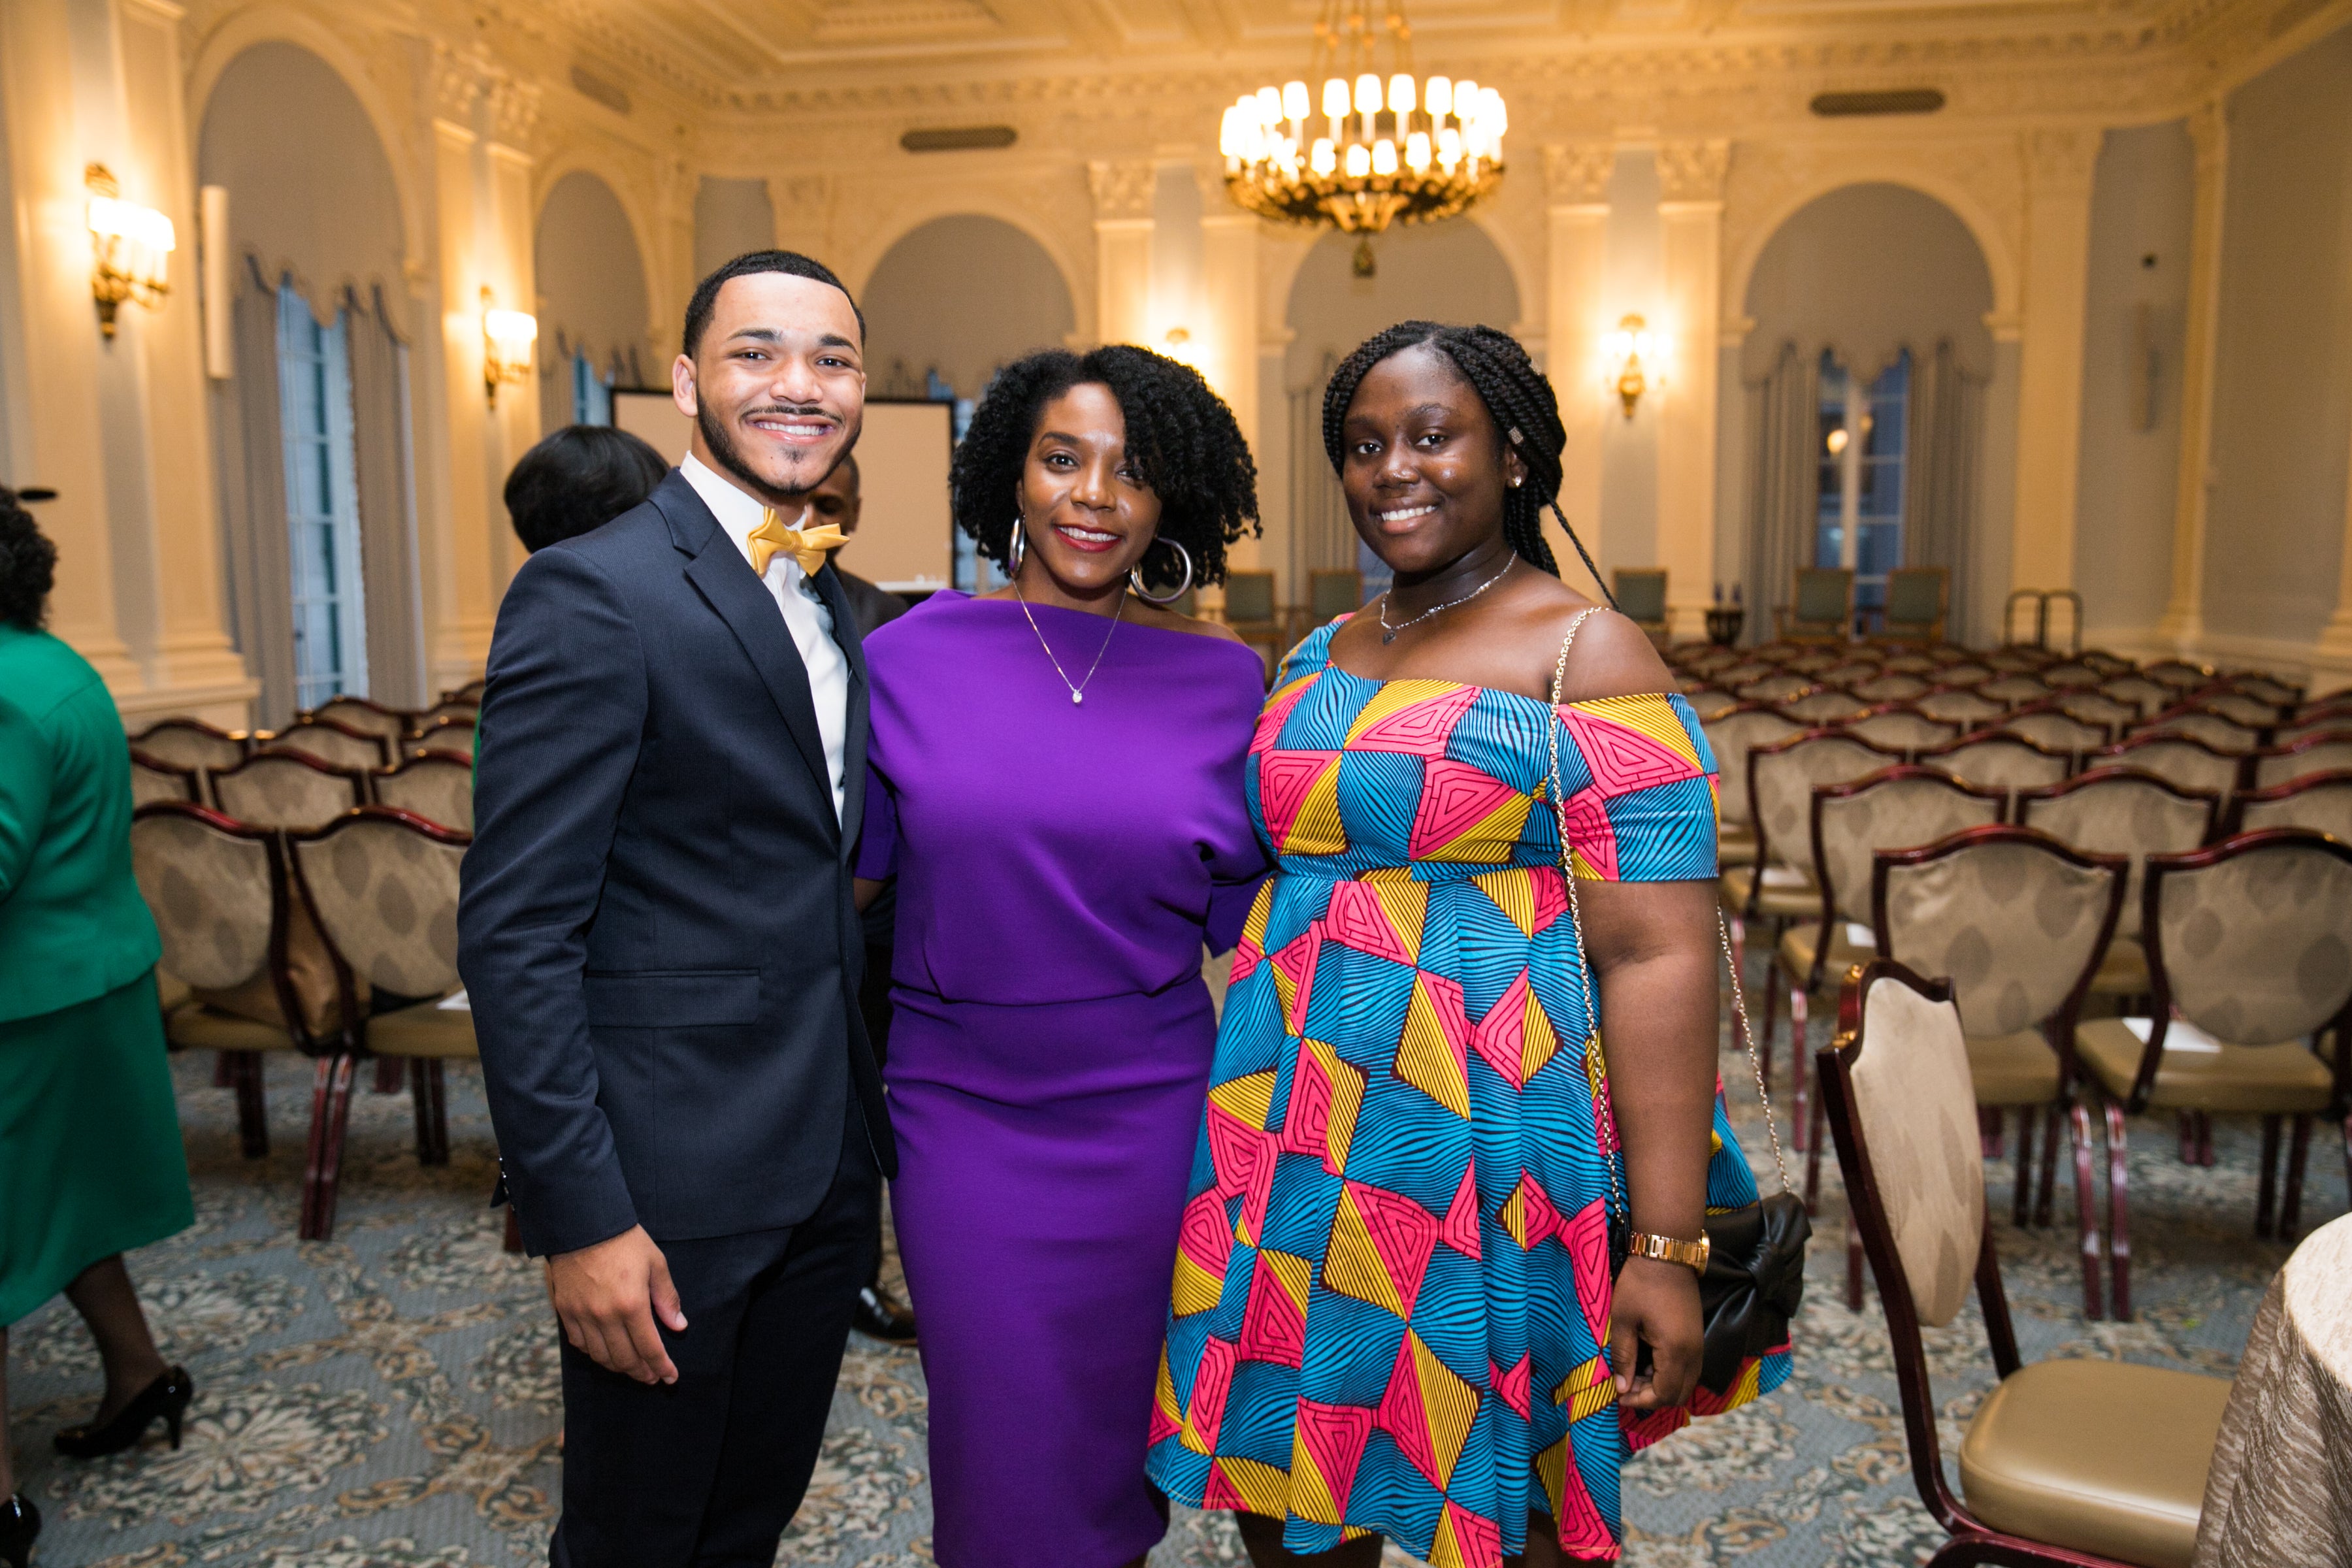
[[809, 546]]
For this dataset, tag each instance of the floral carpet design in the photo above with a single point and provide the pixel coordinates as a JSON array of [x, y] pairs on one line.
[[388, 1399]]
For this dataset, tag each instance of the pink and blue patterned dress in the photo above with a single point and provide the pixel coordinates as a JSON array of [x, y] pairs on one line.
[[1390, 1308]]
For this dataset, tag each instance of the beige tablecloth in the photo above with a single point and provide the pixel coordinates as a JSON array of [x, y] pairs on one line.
[[2280, 1491]]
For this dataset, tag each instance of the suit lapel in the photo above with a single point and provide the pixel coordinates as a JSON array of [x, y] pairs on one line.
[[724, 579], [835, 594]]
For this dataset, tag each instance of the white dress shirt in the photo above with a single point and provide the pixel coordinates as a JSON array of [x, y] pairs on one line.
[[805, 615]]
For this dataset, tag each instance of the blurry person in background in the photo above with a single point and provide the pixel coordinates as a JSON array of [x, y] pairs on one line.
[[838, 501], [577, 480], [91, 1161]]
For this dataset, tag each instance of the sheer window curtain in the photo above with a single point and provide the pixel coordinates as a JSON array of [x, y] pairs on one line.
[[1784, 506], [1939, 501]]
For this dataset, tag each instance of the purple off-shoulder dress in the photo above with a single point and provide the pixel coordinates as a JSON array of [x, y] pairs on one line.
[[1059, 867]]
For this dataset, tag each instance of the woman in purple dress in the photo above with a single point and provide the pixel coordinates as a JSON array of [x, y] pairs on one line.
[[1057, 785]]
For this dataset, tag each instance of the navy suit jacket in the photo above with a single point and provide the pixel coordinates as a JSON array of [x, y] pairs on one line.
[[656, 927]]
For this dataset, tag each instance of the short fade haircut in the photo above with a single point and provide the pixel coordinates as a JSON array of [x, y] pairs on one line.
[[578, 479], [789, 262]]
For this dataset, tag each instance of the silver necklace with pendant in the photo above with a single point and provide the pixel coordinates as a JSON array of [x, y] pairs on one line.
[[1389, 633], [1077, 690]]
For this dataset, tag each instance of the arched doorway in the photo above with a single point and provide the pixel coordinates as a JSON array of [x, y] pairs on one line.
[[1451, 272], [313, 423], [1864, 378], [594, 309]]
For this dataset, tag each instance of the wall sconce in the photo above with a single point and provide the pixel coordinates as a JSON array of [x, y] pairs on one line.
[[1626, 347], [507, 339], [128, 246]]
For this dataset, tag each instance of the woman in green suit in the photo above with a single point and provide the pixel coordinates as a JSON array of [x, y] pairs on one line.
[[90, 1163]]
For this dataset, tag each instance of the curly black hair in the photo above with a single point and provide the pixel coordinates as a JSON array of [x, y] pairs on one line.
[[1517, 398], [1180, 434], [28, 566]]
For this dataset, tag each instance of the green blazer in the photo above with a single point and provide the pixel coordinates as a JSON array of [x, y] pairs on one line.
[[72, 924]]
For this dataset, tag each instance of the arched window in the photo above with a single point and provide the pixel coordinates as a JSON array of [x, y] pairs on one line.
[[322, 507]]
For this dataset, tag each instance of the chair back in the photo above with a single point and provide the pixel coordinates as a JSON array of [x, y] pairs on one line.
[[471, 692], [1893, 686], [1735, 676], [2321, 802], [2177, 674], [1912, 664], [1329, 595], [331, 741], [1915, 597], [437, 787], [2096, 708], [1782, 778], [1732, 736], [190, 743], [1903, 1110], [359, 713], [1962, 705], [2215, 730], [454, 736], [2281, 695], [2240, 708], [153, 779], [2177, 759], [1826, 706], [1641, 593], [1709, 701], [2122, 811], [2055, 731], [2072, 675], [1778, 687], [384, 885], [466, 708], [2016, 920], [2312, 722], [1824, 594], [1963, 671], [1894, 809], [1852, 669], [2014, 689], [287, 789], [2138, 693], [1812, 661], [1249, 597], [1998, 760], [2323, 751], [1904, 729], [2251, 939]]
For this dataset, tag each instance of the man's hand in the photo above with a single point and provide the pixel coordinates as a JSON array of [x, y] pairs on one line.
[[608, 1296], [1655, 1303]]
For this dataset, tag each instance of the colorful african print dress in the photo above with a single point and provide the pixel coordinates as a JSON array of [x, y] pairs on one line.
[[1390, 1308]]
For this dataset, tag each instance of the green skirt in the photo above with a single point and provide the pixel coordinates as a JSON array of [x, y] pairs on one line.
[[91, 1161]]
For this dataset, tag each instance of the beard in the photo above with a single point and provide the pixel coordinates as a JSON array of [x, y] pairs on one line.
[[729, 457]]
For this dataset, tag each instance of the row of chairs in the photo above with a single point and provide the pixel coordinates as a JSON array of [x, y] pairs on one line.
[[346, 733], [287, 789]]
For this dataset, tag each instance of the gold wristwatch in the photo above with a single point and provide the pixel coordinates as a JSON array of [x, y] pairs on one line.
[[1667, 1250]]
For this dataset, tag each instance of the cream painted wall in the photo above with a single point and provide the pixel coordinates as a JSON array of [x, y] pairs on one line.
[[2134, 331], [2284, 388], [960, 295], [1632, 258]]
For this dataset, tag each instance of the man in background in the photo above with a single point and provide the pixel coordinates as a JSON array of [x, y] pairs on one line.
[[837, 501]]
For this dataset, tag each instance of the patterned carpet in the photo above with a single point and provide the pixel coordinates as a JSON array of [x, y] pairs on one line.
[[389, 1399]]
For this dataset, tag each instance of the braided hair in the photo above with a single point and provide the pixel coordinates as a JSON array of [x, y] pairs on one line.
[[1517, 398], [1180, 437]]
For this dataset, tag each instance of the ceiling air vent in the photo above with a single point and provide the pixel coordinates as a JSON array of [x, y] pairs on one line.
[[595, 86], [959, 138], [1892, 100]]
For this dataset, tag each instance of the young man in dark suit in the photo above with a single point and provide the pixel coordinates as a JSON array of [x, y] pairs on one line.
[[658, 935]]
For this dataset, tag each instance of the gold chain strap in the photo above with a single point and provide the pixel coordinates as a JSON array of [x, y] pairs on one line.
[[1592, 992]]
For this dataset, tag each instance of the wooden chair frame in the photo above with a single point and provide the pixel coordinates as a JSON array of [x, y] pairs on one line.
[[357, 780], [427, 738], [2093, 777], [2310, 741], [1787, 627], [190, 780], [2337, 778], [267, 740], [2117, 756]]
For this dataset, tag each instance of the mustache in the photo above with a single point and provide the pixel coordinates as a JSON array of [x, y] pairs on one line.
[[790, 410]]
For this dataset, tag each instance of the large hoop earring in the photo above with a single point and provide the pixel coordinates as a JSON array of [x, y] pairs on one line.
[[1135, 577], [1017, 550]]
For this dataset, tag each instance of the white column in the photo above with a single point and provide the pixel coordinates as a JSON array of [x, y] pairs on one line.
[[1226, 337], [507, 257], [1690, 214], [461, 584], [2184, 609], [2058, 165], [1122, 192], [1575, 188]]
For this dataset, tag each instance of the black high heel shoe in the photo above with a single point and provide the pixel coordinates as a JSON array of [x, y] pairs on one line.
[[20, 1526], [167, 1397]]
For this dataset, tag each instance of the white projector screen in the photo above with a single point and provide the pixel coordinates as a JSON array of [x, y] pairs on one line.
[[905, 536]]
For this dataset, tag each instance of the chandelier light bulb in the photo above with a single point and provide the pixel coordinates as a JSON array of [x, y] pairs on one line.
[[1440, 97], [1449, 145], [1384, 157], [1295, 103], [1326, 159], [1359, 159], [1368, 94], [1335, 99], [1416, 152], [1270, 105], [1402, 97]]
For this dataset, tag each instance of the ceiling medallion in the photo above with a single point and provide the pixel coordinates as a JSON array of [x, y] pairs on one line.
[[1384, 149]]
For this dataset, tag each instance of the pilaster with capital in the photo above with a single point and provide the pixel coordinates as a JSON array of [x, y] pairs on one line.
[[1226, 339], [1575, 193], [1690, 216], [1122, 193], [2058, 168], [2184, 608]]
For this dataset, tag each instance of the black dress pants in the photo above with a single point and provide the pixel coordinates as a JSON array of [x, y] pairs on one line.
[[707, 1472]]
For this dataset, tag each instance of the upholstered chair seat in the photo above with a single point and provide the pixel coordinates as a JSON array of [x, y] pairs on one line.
[[2013, 1070], [2218, 1078], [426, 1031]]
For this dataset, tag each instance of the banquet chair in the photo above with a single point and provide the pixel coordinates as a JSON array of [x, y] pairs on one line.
[[2096, 708], [453, 735], [1923, 662], [1902, 727], [261, 978], [2076, 1463], [2054, 729], [366, 717], [1897, 806], [153, 778], [1821, 606], [2017, 922], [437, 787], [1251, 613], [2178, 675], [2282, 694], [2322, 751], [2309, 721], [2072, 675], [1779, 686], [1738, 674], [2218, 731], [1825, 705], [192, 743], [466, 708], [471, 692], [1731, 734], [1709, 701], [2121, 811], [1641, 593], [2015, 690], [1891, 686], [1329, 595], [2107, 664], [330, 741], [286, 790], [2016, 657], [1995, 759], [1859, 665], [2177, 759], [1810, 659], [1779, 885], [2239, 707], [2136, 690], [2321, 802], [1962, 705], [1966, 671], [1918, 599], [2247, 959], [385, 886]]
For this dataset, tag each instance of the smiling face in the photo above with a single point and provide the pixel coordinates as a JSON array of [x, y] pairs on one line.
[[1422, 466], [777, 386], [1089, 515]]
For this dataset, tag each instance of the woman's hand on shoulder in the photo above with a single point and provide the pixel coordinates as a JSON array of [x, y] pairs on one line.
[[1612, 657]]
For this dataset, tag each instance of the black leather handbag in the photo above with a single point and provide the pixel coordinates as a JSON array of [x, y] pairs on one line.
[[1755, 1276]]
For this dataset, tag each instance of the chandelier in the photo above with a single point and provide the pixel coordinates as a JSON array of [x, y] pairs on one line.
[[1384, 147]]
